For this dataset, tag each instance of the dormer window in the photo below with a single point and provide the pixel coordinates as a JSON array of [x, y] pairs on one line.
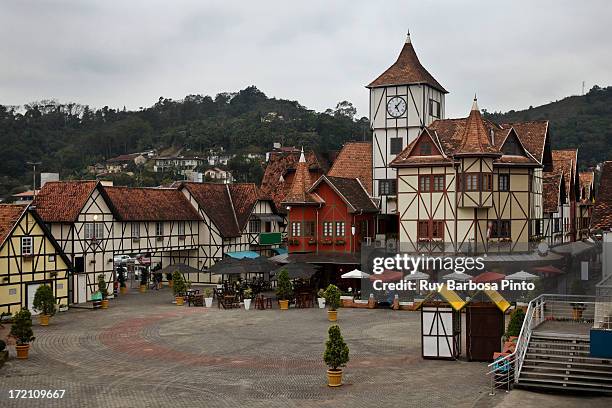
[[434, 108]]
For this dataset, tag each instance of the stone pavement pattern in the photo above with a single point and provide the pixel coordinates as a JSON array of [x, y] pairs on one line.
[[146, 352]]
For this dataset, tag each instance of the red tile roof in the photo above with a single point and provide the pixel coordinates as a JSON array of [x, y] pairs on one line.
[[351, 191], [586, 184], [472, 136], [354, 161], [280, 165], [229, 206], [149, 204], [602, 211], [298, 192], [10, 214], [62, 201], [565, 162], [551, 190], [407, 70]]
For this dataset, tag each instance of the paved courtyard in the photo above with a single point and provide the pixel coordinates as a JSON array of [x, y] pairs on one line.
[[146, 352]]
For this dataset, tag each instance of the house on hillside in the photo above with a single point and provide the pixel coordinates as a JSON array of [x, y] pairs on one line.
[[219, 175], [29, 257], [472, 186], [120, 163], [180, 164]]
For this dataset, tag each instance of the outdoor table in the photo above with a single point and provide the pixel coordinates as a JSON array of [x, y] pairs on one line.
[[262, 302]]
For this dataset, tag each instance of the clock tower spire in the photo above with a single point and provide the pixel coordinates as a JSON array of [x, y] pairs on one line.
[[403, 100]]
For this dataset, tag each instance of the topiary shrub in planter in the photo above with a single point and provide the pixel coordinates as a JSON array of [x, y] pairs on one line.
[[144, 278], [21, 331], [516, 323], [332, 299], [284, 290], [248, 297], [179, 287], [169, 279], [208, 297], [321, 298], [336, 355], [102, 288], [44, 302]]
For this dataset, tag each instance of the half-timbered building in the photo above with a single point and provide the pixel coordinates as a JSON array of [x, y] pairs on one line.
[[80, 220], [585, 203], [331, 215], [159, 222], [403, 99], [563, 189], [472, 186], [29, 257]]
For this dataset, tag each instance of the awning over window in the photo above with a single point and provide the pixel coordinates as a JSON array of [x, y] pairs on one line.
[[269, 217], [243, 254]]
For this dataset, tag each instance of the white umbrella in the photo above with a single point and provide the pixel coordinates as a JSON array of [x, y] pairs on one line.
[[416, 276], [355, 274], [521, 276], [456, 276]]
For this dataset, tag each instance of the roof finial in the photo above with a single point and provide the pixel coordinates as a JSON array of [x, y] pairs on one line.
[[475, 104], [408, 37], [302, 158]]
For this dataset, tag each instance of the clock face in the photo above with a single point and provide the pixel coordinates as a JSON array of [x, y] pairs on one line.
[[396, 106]]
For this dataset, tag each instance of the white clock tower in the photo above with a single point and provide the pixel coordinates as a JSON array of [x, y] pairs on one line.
[[403, 100]]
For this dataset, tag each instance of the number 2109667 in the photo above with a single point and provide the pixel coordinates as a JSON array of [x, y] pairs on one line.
[[37, 394]]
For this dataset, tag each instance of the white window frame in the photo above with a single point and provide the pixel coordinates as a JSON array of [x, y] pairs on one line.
[[159, 228], [181, 228], [136, 230], [340, 229], [27, 246], [296, 229]]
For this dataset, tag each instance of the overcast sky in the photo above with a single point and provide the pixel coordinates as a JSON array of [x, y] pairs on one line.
[[512, 53]]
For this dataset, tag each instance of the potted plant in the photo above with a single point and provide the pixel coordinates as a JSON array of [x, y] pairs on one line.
[[179, 287], [336, 355], [144, 278], [577, 310], [516, 323], [248, 296], [283, 289], [312, 241], [21, 331], [208, 297], [332, 299], [44, 302], [321, 298], [103, 290], [169, 279], [122, 279]]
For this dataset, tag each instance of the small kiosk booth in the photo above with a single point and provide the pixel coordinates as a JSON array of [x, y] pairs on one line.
[[485, 325], [441, 324]]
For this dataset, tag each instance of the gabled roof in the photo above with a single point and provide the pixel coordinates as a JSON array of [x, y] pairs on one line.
[[551, 191], [474, 136], [351, 191], [407, 70], [149, 204], [354, 161], [62, 201], [586, 183], [565, 162], [602, 210], [229, 206], [10, 214]]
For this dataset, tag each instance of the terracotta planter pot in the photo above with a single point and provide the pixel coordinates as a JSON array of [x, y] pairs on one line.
[[22, 351], [142, 288], [371, 303], [284, 304], [43, 320], [123, 290], [159, 285], [170, 284], [334, 377], [104, 303], [332, 316], [577, 314], [179, 300]]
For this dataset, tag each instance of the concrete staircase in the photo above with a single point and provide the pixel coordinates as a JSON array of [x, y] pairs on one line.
[[562, 361]]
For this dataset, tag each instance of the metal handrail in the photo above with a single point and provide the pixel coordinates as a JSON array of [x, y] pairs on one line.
[[506, 370]]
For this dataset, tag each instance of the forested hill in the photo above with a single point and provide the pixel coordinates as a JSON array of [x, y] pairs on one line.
[[68, 137], [576, 121]]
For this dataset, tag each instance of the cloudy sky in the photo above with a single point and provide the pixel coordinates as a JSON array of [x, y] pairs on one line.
[[512, 53]]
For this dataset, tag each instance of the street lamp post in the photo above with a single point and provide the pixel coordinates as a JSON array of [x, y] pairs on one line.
[[34, 164]]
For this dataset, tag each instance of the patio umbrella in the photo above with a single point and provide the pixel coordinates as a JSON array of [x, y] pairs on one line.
[[259, 265], [417, 276], [228, 266], [355, 274], [522, 276], [297, 270], [549, 270], [456, 276], [489, 277]]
